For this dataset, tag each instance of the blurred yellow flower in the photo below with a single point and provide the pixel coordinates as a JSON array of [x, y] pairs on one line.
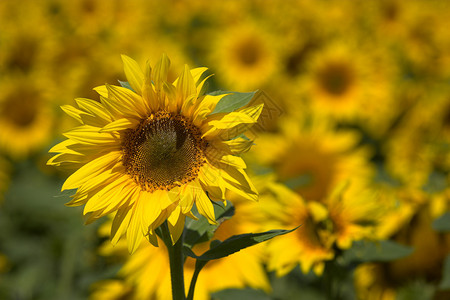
[[149, 153], [26, 117], [347, 83], [310, 245], [244, 56], [311, 157]]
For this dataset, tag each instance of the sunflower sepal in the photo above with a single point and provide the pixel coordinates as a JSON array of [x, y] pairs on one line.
[[232, 101], [200, 230]]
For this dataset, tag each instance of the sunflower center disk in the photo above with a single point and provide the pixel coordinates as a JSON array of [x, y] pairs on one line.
[[163, 152], [336, 79]]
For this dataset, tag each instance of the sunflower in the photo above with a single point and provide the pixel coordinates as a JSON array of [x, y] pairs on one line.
[[348, 84], [354, 213], [147, 270], [26, 117], [312, 157], [149, 152], [310, 245], [244, 56], [28, 41]]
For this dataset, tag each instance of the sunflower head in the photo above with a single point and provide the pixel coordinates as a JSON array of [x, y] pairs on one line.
[[150, 149]]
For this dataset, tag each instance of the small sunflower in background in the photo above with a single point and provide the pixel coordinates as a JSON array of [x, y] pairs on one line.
[[145, 274], [26, 116], [311, 157], [347, 215], [343, 81], [28, 42], [310, 245], [244, 56], [418, 146], [150, 151]]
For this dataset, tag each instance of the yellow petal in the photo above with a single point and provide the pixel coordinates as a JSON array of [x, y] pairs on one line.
[[204, 205], [90, 135], [73, 112], [129, 99], [160, 72], [133, 73], [120, 124], [134, 232], [120, 223], [90, 170]]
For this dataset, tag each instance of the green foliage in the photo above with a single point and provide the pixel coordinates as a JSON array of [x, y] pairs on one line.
[[232, 102], [125, 84], [442, 224], [198, 231], [235, 244], [445, 282], [51, 254], [378, 251]]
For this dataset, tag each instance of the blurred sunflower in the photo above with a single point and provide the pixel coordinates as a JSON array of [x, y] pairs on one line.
[[27, 42], [147, 270], [419, 145], [413, 218], [311, 157], [310, 245], [349, 84], [149, 152], [354, 214], [111, 290], [244, 56], [26, 117]]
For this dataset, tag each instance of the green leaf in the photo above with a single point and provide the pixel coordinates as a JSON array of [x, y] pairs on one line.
[[241, 294], [442, 224], [235, 244], [125, 84], [445, 282], [378, 251], [197, 231], [232, 102]]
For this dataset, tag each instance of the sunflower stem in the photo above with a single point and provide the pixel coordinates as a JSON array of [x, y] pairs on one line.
[[198, 267], [176, 260]]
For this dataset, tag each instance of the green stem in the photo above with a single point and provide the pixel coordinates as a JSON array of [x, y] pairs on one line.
[[198, 267], [176, 260]]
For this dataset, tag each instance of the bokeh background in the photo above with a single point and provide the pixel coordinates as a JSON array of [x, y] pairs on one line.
[[353, 143]]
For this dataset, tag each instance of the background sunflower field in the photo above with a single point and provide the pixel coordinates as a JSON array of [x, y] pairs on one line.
[[353, 144]]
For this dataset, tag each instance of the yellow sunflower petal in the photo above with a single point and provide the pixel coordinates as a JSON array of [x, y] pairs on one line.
[[133, 73], [90, 170], [204, 205]]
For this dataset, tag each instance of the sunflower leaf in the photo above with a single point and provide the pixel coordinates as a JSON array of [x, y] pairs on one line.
[[236, 243], [233, 101], [445, 282], [197, 231], [126, 85], [377, 251], [442, 224]]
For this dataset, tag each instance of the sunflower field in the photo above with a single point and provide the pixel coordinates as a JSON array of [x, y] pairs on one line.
[[316, 132]]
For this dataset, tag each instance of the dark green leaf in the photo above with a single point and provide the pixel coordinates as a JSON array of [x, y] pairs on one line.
[[378, 251], [125, 84], [197, 231], [442, 224], [241, 294], [237, 243], [232, 102], [445, 282]]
